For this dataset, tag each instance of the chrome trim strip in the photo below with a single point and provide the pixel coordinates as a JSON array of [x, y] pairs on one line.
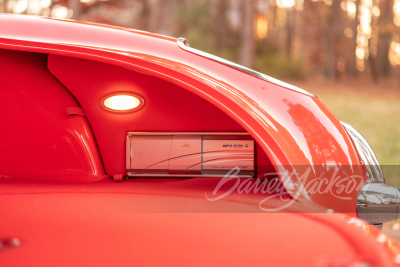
[[378, 202], [184, 44], [366, 154]]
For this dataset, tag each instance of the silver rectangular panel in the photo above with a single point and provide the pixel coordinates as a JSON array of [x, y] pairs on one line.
[[150, 153], [185, 155], [189, 154], [222, 155]]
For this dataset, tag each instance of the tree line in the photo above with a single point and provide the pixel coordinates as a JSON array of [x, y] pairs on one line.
[[292, 39]]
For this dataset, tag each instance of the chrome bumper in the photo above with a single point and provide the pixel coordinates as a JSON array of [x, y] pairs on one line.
[[378, 203]]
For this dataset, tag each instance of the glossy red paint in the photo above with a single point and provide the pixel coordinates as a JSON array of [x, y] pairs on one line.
[[168, 108], [273, 115], [38, 141], [106, 223], [63, 223]]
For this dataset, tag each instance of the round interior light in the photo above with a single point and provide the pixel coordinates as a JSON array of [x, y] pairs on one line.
[[122, 102]]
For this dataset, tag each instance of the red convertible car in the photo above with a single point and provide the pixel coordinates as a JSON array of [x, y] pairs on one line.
[[126, 148]]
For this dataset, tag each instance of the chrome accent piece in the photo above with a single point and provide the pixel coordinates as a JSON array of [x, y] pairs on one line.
[[366, 154], [377, 202], [184, 44]]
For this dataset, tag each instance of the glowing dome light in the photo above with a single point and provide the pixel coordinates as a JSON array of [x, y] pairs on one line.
[[122, 102]]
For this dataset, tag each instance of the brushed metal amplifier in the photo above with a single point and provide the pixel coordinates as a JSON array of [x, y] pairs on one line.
[[189, 154]]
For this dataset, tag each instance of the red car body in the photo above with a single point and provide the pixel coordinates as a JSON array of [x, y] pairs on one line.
[[56, 193]]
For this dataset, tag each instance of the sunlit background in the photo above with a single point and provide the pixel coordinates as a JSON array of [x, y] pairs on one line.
[[346, 52], [293, 39]]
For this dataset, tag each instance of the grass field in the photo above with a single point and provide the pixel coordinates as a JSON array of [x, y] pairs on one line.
[[373, 109]]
